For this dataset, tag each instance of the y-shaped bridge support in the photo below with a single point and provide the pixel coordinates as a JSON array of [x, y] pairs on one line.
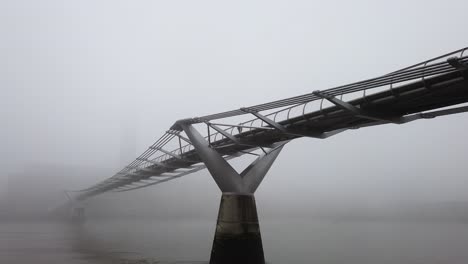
[[237, 238]]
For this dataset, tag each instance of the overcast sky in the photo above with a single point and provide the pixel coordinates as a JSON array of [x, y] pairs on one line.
[[77, 77]]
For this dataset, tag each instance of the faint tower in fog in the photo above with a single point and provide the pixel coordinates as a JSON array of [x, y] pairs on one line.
[[127, 140]]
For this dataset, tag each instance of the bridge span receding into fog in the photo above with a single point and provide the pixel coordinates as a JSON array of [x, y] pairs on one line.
[[426, 90]]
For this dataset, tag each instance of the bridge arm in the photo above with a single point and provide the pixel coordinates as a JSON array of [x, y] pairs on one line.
[[224, 133], [355, 110], [459, 65], [418, 116], [253, 175], [225, 176], [179, 135], [283, 129]]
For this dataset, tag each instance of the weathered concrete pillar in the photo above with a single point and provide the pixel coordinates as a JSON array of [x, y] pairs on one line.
[[237, 238]]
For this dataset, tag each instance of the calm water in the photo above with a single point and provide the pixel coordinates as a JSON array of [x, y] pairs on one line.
[[189, 241]]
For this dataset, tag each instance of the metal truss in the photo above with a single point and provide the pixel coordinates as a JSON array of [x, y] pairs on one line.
[[421, 91]]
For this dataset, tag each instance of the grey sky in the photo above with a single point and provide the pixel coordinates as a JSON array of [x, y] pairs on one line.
[[73, 72]]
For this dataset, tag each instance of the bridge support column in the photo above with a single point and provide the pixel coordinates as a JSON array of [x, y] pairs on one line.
[[237, 238]]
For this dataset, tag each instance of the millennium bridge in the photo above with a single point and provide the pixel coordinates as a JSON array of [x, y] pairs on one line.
[[430, 89]]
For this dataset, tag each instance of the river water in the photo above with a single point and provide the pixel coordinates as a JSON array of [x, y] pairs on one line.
[[286, 240]]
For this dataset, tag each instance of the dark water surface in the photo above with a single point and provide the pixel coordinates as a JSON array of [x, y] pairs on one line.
[[189, 241]]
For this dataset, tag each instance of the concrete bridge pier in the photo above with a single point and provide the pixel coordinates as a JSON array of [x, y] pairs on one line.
[[237, 238]]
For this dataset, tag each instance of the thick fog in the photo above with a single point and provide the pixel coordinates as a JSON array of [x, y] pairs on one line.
[[86, 86]]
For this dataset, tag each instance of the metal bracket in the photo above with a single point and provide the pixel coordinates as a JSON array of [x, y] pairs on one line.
[[459, 65], [180, 136], [434, 114], [188, 121], [281, 128], [424, 115], [242, 126], [353, 109], [231, 137], [224, 133]]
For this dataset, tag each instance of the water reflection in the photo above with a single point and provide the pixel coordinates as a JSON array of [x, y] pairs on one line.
[[190, 240], [120, 242]]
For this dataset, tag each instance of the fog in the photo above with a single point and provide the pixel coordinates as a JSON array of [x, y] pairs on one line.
[[88, 85]]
